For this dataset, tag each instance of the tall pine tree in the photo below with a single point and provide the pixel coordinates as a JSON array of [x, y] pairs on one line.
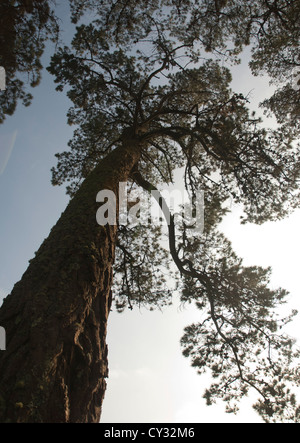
[[151, 95]]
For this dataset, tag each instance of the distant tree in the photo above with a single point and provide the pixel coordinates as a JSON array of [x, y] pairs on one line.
[[150, 96], [25, 25]]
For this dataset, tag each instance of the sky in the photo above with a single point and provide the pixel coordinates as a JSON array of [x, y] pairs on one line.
[[150, 381]]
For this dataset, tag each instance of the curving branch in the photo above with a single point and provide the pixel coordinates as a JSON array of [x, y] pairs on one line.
[[187, 268]]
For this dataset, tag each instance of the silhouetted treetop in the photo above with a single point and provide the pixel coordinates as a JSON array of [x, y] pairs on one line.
[[25, 26]]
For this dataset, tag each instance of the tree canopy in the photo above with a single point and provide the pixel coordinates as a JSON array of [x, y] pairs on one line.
[[161, 70], [151, 91], [25, 25]]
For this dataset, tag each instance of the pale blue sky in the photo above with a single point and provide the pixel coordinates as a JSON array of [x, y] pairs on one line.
[[150, 381], [29, 204]]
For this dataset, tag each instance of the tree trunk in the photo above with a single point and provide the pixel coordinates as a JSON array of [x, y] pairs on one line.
[[55, 365]]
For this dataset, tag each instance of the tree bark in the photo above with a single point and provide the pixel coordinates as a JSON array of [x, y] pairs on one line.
[[55, 365]]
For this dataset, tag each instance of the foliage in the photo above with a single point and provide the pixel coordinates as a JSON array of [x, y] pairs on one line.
[[142, 276], [223, 27], [239, 338], [25, 25], [157, 70]]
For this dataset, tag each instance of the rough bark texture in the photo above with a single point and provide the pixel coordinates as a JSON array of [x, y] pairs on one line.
[[55, 365]]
